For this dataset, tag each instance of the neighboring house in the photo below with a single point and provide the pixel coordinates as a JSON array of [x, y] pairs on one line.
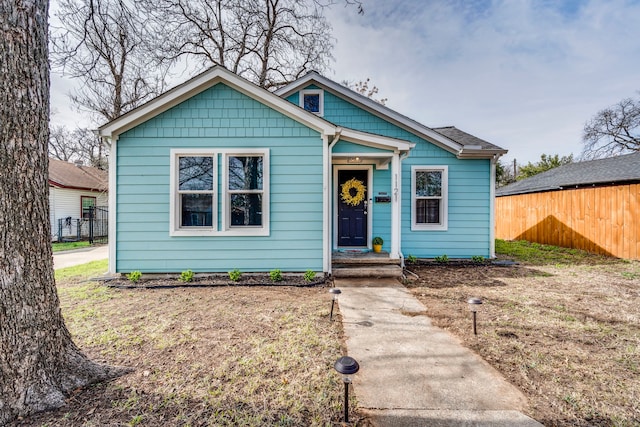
[[73, 190], [590, 205], [219, 173]]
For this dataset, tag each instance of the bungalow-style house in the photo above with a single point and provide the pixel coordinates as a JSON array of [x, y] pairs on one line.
[[218, 173], [590, 205], [74, 190]]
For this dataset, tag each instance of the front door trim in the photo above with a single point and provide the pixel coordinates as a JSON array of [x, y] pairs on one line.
[[335, 191]]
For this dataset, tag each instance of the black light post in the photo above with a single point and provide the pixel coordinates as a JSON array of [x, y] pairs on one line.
[[334, 292], [347, 366], [474, 305]]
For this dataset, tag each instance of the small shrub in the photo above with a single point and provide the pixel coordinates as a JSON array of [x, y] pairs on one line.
[[412, 259], [377, 240], [134, 276], [309, 275], [442, 258], [186, 276], [235, 275], [275, 275], [477, 258]]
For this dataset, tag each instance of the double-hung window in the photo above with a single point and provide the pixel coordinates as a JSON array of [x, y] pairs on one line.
[[246, 184], [242, 181], [429, 197], [193, 189]]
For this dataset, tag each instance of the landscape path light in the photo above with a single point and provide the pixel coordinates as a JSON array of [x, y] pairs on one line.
[[347, 366], [334, 293], [474, 305]]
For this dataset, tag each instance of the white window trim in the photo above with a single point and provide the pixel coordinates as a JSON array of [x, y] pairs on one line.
[[227, 229], [313, 92], [444, 205], [174, 213]]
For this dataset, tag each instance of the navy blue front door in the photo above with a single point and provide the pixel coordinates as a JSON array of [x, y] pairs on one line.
[[352, 220]]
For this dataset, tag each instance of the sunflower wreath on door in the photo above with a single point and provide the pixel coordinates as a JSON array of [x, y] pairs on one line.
[[353, 192]]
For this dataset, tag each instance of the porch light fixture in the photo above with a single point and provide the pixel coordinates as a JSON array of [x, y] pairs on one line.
[[356, 159], [474, 306], [347, 366], [334, 293]]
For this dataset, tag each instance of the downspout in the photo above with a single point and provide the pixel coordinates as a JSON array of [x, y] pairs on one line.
[[492, 207], [400, 254], [327, 206]]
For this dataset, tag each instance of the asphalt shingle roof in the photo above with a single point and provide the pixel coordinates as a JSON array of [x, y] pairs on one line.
[[68, 175], [464, 138], [594, 172]]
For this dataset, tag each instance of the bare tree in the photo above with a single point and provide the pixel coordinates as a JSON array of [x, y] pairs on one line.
[[61, 146], [39, 363], [504, 173], [327, 3], [270, 42], [362, 87], [104, 44], [614, 130], [80, 144]]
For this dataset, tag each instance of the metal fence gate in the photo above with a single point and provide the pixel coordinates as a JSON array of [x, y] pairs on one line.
[[94, 228]]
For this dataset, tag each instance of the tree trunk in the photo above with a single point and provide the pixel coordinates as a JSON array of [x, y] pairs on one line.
[[39, 363]]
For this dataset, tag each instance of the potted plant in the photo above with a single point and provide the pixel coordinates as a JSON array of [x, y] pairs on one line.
[[377, 244]]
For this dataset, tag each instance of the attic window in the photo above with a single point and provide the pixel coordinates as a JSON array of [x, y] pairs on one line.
[[313, 101]]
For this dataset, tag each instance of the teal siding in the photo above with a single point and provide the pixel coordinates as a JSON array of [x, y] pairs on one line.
[[350, 147], [219, 117], [468, 230]]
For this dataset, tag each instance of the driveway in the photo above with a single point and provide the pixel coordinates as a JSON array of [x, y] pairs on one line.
[[79, 256]]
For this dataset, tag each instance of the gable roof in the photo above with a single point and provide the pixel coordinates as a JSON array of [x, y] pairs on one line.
[[461, 147], [200, 83], [465, 139], [68, 175], [608, 171]]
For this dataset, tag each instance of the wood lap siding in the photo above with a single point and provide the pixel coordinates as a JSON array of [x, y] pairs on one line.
[[468, 230], [602, 220], [219, 118]]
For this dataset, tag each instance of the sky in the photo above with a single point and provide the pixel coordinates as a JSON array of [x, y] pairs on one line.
[[522, 74]]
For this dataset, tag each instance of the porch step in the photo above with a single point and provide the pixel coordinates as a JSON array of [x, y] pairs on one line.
[[364, 264], [366, 270]]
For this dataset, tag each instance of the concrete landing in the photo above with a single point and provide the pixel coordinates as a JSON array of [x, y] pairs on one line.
[[413, 373]]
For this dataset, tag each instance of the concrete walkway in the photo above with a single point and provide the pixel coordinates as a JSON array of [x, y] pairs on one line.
[[413, 373], [79, 256]]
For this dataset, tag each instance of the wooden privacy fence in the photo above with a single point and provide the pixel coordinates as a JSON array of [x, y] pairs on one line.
[[603, 220]]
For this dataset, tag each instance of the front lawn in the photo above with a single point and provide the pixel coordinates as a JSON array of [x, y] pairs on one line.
[[249, 356], [563, 326], [67, 246]]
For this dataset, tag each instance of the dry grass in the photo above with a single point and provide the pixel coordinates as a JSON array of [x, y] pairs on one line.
[[248, 356], [568, 335]]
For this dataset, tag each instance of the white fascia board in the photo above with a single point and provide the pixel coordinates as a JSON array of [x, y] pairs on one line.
[[203, 82], [374, 108], [479, 154], [375, 141]]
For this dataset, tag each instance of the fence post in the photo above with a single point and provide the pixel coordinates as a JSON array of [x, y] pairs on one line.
[[92, 211]]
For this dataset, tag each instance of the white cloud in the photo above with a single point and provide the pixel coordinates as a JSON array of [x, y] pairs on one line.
[[525, 75]]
